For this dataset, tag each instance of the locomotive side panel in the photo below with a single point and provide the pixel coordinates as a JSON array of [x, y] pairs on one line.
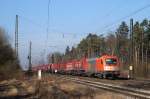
[[91, 66], [99, 65]]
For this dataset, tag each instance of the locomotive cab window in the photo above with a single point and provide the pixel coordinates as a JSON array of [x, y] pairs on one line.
[[111, 61]]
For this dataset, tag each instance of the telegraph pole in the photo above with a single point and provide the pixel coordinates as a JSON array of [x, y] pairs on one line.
[[142, 61], [131, 41], [131, 67], [30, 56], [16, 36]]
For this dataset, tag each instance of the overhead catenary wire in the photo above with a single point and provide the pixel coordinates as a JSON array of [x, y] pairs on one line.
[[41, 26], [120, 19], [47, 29], [74, 34], [125, 17], [105, 27], [48, 15], [111, 24], [31, 21]]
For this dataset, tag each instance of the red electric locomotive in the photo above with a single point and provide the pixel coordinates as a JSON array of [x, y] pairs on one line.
[[103, 67]]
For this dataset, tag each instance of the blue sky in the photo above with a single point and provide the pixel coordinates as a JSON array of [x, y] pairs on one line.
[[71, 18]]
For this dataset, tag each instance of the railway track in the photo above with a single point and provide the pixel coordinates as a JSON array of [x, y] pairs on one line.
[[133, 92]]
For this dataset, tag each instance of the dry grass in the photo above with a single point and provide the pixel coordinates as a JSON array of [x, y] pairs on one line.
[[56, 88], [64, 89]]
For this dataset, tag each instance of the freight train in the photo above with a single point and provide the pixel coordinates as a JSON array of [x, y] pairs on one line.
[[102, 67]]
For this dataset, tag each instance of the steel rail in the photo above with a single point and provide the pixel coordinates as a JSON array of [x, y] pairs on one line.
[[141, 93]]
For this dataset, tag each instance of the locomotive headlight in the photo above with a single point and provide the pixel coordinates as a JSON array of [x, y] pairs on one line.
[[114, 68], [107, 67]]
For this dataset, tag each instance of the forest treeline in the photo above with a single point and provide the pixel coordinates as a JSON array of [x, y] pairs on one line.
[[132, 49], [9, 64]]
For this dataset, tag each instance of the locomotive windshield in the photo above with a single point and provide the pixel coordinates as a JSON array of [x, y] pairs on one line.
[[111, 61]]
